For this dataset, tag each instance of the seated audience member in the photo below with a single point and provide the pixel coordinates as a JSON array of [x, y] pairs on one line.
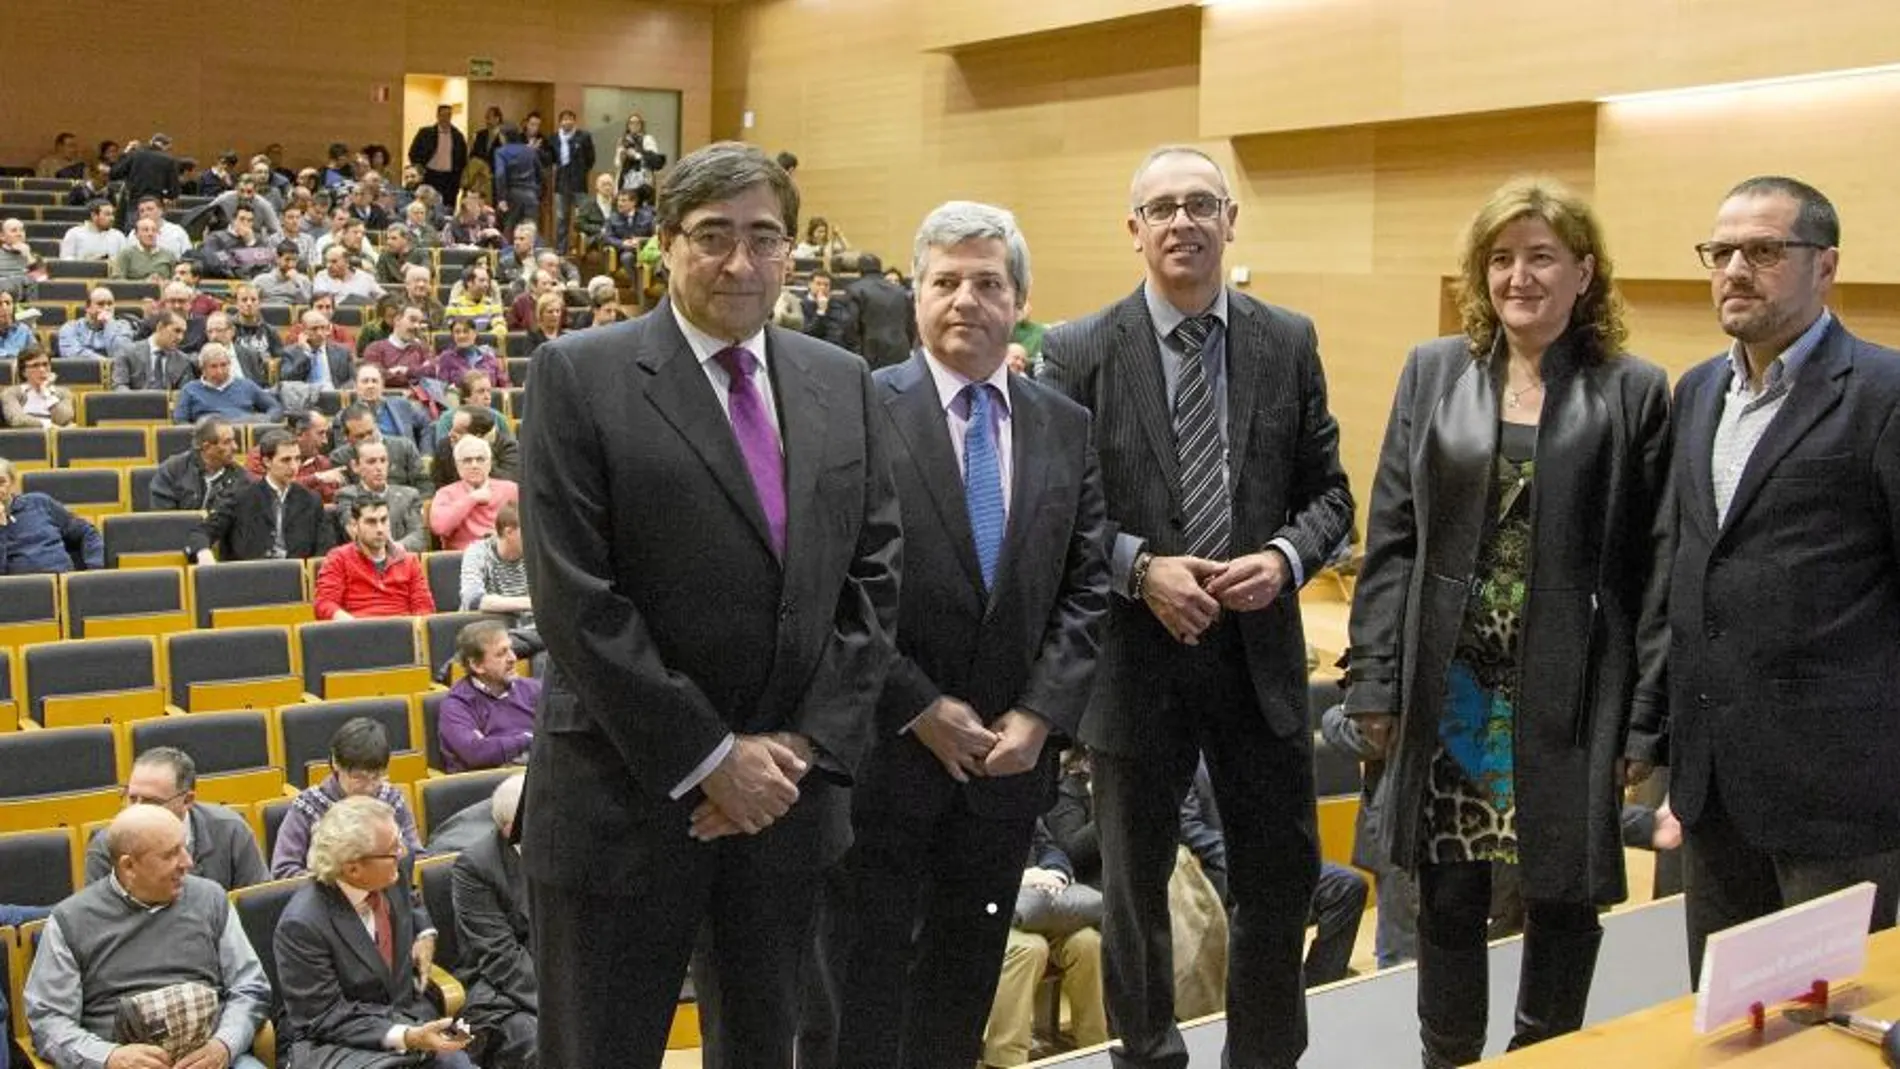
[[355, 241], [566, 274], [370, 575], [590, 219], [144, 943], [829, 316], [488, 716], [271, 519], [474, 297], [335, 219], [344, 1008], [629, 226], [38, 536], [237, 251], [491, 924], [18, 261], [517, 259], [473, 225], [219, 176], [388, 307], [404, 356], [157, 363], [394, 415], [285, 282], [1057, 920], [217, 392], [95, 184], [359, 768], [364, 209], [476, 392], [418, 288], [607, 310], [343, 280], [370, 467], [535, 285], [253, 340], [822, 243], [94, 239], [464, 422], [171, 237], [550, 320], [96, 332], [788, 312], [185, 273], [417, 216], [246, 195], [143, 259], [183, 300], [341, 335], [466, 355], [399, 253], [219, 842], [464, 511], [494, 573], [16, 337], [314, 358], [316, 472], [34, 400], [64, 161], [297, 234], [405, 460], [199, 477]]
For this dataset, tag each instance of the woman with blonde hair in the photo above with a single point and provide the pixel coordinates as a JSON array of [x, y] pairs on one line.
[[1509, 612]]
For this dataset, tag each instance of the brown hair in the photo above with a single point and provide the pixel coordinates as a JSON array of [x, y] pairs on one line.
[[1597, 316]]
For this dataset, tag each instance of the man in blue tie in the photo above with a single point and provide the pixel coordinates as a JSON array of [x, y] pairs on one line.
[[713, 513], [1005, 588]]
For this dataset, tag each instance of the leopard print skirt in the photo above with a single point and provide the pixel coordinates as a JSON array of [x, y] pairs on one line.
[[1461, 823]]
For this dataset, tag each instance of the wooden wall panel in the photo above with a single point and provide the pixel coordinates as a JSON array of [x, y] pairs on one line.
[[1673, 323], [1283, 66], [971, 22], [1663, 165]]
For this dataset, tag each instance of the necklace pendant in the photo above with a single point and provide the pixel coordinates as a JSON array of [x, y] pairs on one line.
[[1510, 399]]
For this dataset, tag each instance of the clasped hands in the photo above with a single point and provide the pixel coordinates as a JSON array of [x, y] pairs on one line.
[[957, 737], [755, 785], [1187, 594]]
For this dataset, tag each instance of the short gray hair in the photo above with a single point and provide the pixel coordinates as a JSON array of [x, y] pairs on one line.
[[464, 450], [346, 833], [507, 800], [214, 348], [957, 221], [1164, 152]]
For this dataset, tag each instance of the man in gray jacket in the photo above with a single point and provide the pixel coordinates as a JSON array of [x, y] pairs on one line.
[[219, 842]]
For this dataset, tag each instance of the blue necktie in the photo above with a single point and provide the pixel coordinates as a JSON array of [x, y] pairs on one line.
[[983, 482]]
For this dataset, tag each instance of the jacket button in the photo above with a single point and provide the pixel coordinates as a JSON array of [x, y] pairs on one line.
[[1704, 700]]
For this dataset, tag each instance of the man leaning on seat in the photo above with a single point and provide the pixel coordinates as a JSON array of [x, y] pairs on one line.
[[38, 535], [491, 923], [221, 845]]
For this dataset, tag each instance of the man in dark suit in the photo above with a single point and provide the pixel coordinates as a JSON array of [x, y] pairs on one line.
[[689, 764], [441, 164], [353, 949], [148, 170], [1784, 711], [887, 324], [270, 519], [222, 846], [314, 358], [491, 924], [573, 150], [157, 363], [1220, 465], [1005, 588]]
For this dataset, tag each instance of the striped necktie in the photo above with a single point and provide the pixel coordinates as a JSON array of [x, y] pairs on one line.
[[1197, 442], [983, 482]]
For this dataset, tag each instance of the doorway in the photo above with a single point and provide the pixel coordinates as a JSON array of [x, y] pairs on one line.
[[421, 95], [604, 111]]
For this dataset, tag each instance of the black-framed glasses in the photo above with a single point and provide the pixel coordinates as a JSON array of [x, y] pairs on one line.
[[717, 243], [1759, 252], [1200, 207]]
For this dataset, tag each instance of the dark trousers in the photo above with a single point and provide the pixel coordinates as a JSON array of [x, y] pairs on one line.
[[447, 183], [1339, 904], [923, 905], [1730, 881], [1263, 786], [610, 966], [524, 206]]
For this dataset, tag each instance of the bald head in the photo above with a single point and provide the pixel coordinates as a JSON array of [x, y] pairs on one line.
[[141, 829]]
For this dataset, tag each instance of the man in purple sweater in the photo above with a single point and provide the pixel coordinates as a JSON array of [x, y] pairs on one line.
[[487, 719]]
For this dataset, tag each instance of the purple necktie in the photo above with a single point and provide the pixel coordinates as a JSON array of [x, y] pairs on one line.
[[757, 440]]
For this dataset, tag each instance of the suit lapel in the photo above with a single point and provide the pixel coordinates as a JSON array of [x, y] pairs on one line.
[[1246, 368], [350, 925], [1815, 391], [1140, 357], [683, 397], [802, 419], [918, 414], [1698, 436], [1028, 468]]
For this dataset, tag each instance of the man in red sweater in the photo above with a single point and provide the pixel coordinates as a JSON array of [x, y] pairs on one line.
[[371, 575]]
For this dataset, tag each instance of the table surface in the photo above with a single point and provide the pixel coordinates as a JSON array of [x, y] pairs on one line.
[[1663, 1037]]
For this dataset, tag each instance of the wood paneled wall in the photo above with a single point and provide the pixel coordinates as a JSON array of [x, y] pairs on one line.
[[970, 22], [241, 73]]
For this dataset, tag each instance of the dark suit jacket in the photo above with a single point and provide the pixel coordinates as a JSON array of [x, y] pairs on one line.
[[240, 528], [887, 321], [147, 170], [180, 483], [223, 849], [1283, 445], [647, 682], [1028, 644], [491, 925], [335, 989], [422, 148], [132, 368], [1784, 676], [295, 366], [580, 167]]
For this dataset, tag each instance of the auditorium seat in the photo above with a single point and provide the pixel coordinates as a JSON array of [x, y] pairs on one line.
[[268, 819], [430, 707], [9, 703], [28, 448], [172, 440], [88, 492], [348, 658], [138, 487], [232, 668], [148, 539], [303, 731], [137, 601], [434, 876], [39, 868], [93, 680], [75, 269], [55, 778], [148, 406], [258, 908], [69, 290], [440, 797], [101, 447], [250, 592], [439, 632], [82, 373], [130, 290], [29, 609], [232, 752], [444, 568]]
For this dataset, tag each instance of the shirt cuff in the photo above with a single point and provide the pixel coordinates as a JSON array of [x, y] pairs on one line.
[[1121, 563], [705, 768], [1292, 561], [393, 1038]]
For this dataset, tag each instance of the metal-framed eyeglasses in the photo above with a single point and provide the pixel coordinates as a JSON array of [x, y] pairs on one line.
[[717, 243], [1760, 253], [1200, 207]]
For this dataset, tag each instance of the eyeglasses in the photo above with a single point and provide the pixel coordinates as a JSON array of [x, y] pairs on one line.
[[1200, 206], [717, 243], [1760, 253], [133, 799]]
